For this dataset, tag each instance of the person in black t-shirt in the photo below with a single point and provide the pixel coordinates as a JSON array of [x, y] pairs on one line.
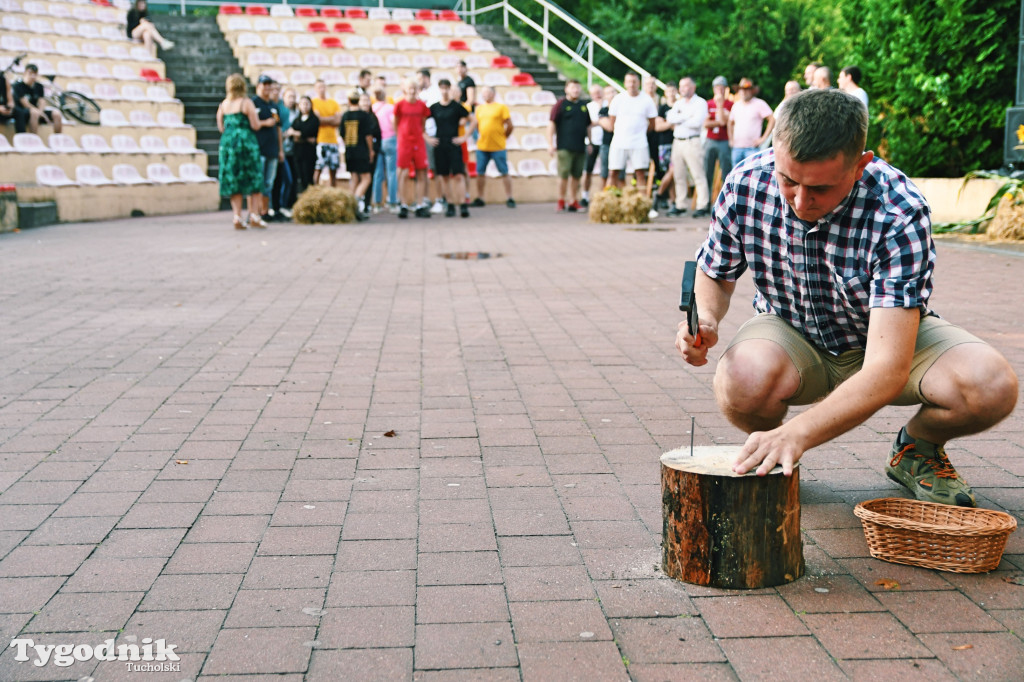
[[605, 121], [466, 85], [357, 134], [6, 99], [366, 104], [268, 135], [449, 116], [303, 132], [568, 130], [142, 30], [26, 95], [663, 130]]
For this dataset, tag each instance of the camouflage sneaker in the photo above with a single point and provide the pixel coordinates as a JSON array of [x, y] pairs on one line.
[[925, 470]]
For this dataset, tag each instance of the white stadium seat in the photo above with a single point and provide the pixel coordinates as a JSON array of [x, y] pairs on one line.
[[29, 143], [62, 142], [125, 144], [126, 174], [191, 172], [113, 118], [95, 144], [179, 144], [153, 144], [53, 176], [160, 174], [87, 174]]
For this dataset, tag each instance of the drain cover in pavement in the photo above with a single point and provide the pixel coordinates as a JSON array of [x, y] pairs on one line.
[[469, 255]]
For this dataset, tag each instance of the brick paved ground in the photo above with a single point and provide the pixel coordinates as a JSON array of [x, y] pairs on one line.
[[193, 448]]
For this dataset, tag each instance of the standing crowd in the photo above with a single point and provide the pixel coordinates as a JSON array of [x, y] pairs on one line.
[[417, 147]]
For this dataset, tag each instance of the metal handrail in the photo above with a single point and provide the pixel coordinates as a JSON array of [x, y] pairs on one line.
[[546, 37]]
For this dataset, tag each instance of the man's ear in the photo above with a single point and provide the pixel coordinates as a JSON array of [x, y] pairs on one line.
[[863, 162]]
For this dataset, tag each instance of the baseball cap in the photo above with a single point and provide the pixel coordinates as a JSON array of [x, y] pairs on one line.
[[720, 80], [264, 78], [746, 83]]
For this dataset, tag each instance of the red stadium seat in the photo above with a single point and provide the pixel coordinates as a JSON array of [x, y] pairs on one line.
[[256, 10], [449, 15], [343, 27], [331, 42], [355, 13], [502, 63], [317, 27], [426, 15], [523, 79], [392, 30], [305, 12], [418, 30], [331, 13], [151, 75], [230, 9], [458, 46]]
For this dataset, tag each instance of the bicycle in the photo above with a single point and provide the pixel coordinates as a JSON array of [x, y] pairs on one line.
[[73, 104]]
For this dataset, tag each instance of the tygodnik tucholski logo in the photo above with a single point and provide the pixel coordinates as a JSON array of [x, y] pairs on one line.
[[151, 656]]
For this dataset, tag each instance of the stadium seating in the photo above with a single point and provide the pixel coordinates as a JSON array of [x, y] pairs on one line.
[[87, 174], [53, 176]]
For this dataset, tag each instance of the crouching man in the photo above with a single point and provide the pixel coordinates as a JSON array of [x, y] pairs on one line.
[[839, 247]]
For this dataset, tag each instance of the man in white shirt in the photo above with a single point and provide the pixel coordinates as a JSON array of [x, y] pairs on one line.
[[430, 94], [849, 81], [630, 115], [593, 144], [688, 115]]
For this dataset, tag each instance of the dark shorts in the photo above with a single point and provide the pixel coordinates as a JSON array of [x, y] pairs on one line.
[[448, 159], [357, 161], [593, 154]]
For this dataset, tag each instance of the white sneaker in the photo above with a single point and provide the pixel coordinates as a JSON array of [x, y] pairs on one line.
[[438, 207], [393, 209], [286, 212], [652, 214]]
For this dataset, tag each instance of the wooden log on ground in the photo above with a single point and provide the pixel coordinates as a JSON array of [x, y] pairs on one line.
[[728, 531]]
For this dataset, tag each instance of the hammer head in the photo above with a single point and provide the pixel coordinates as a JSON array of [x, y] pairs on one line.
[[687, 299]]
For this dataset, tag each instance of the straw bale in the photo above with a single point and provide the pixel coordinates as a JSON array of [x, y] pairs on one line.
[[322, 204]]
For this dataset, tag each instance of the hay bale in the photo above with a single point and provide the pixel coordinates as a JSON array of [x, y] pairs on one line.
[[322, 204], [613, 205], [1008, 223]]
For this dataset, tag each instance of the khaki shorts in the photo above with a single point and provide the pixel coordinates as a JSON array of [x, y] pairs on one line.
[[820, 372], [570, 163]]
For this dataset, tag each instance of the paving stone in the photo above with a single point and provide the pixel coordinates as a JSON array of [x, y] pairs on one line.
[[372, 588], [749, 616], [26, 561], [211, 557], [659, 672], [276, 608], [559, 621], [228, 529], [71, 531], [350, 664], [187, 592], [376, 555], [557, 550], [774, 658], [933, 612], [156, 542], [910, 669], [547, 583], [597, 661], [461, 604], [272, 572], [864, 635], [161, 515], [85, 612], [458, 568], [260, 650], [644, 598], [367, 627], [832, 594], [465, 645], [190, 631], [100, 574], [991, 656]]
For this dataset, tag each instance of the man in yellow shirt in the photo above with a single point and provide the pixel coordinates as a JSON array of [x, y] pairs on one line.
[[329, 113], [494, 122]]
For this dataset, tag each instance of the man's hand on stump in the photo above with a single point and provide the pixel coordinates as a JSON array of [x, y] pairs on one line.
[[766, 449]]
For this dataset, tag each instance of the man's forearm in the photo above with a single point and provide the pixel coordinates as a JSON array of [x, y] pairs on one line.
[[713, 296]]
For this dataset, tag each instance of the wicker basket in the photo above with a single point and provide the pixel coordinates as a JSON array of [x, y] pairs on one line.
[[930, 535]]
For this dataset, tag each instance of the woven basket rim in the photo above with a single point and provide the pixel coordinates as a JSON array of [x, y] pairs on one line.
[[999, 522]]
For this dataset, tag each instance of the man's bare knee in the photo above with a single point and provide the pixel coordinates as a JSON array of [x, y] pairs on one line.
[[755, 377]]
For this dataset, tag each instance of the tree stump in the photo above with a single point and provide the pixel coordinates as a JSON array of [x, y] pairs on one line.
[[724, 530]]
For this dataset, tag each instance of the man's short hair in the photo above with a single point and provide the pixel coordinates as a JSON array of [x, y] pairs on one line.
[[634, 74], [353, 96], [854, 73], [571, 81], [32, 67], [462, 62], [424, 72], [444, 83], [815, 125], [364, 73]]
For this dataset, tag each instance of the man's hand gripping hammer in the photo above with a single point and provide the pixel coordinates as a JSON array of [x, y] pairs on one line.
[[688, 302]]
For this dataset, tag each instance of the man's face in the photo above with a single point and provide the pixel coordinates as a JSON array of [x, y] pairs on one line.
[[747, 94], [792, 88], [422, 82], [719, 91], [843, 80], [596, 93], [275, 92], [263, 91], [461, 70], [632, 84], [488, 94], [364, 82], [364, 102], [609, 94], [446, 93], [821, 79], [650, 86], [321, 90], [29, 77], [687, 88], [671, 94], [809, 74], [814, 188], [289, 98], [572, 91]]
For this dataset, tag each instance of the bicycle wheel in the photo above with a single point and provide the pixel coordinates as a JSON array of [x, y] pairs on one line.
[[79, 107]]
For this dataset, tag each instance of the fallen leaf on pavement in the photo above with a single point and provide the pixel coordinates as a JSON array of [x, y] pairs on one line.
[[963, 647], [888, 584], [1015, 579], [181, 461], [389, 434]]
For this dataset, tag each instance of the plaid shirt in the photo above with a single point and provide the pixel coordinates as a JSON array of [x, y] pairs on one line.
[[874, 250]]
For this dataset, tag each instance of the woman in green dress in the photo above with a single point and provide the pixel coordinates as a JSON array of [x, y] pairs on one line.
[[241, 168]]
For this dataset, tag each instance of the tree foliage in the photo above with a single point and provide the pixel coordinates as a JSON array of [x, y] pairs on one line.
[[940, 73]]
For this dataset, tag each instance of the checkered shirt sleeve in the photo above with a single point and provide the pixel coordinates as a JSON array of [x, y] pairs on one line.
[[873, 251]]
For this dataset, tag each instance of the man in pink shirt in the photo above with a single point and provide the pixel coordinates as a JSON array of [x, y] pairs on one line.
[[747, 129]]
